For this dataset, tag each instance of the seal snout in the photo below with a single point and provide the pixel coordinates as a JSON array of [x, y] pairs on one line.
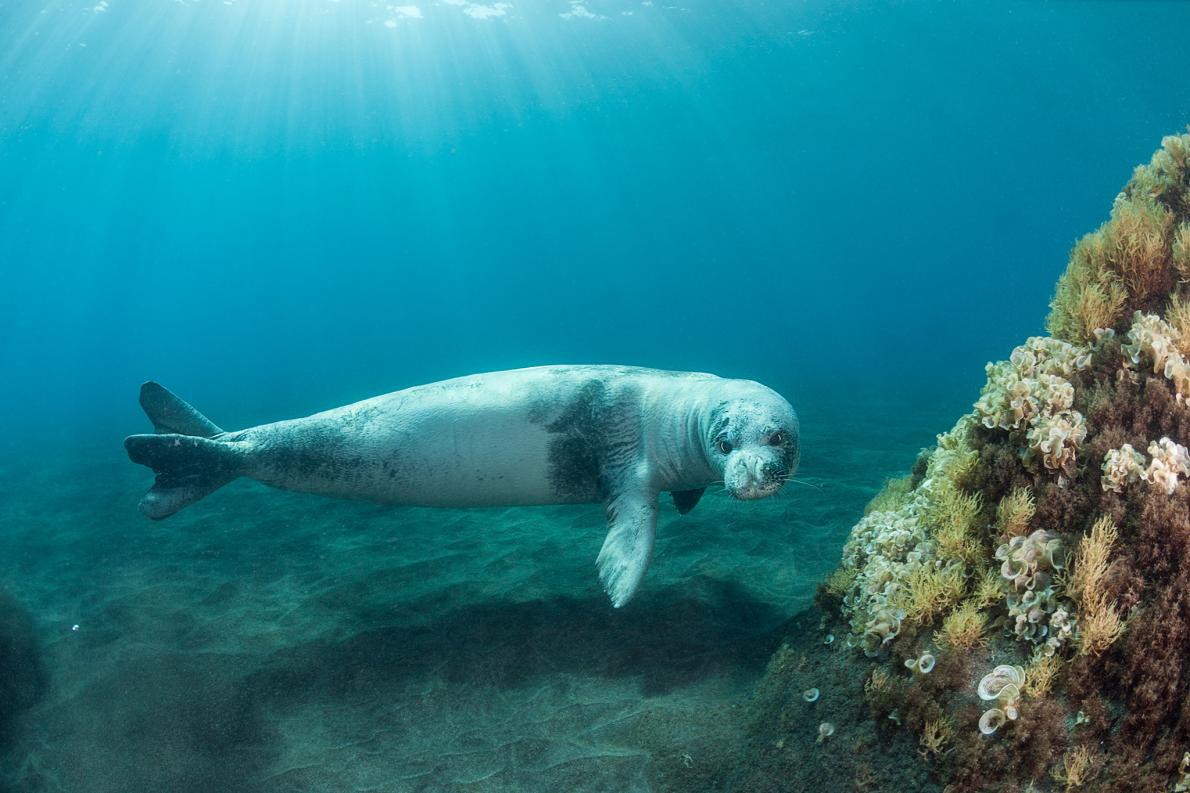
[[754, 475]]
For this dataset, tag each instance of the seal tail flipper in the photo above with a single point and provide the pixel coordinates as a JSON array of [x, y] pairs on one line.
[[170, 414], [188, 462], [187, 469]]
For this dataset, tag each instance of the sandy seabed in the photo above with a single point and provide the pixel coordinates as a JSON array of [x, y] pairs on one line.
[[267, 641]]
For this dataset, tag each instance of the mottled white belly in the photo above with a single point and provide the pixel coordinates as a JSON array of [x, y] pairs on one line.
[[463, 446]]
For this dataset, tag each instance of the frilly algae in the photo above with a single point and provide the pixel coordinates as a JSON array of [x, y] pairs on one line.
[[1169, 464], [1122, 467], [1037, 613]]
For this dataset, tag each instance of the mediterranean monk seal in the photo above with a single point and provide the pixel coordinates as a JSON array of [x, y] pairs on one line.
[[614, 435]]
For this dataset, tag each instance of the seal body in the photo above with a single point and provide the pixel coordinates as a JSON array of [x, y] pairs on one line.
[[545, 435]]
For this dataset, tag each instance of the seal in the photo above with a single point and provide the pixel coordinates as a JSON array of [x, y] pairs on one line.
[[614, 435]]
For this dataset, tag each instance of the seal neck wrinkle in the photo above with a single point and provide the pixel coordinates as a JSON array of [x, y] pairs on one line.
[[675, 440]]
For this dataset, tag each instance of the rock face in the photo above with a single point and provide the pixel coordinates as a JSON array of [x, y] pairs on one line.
[[1039, 555]]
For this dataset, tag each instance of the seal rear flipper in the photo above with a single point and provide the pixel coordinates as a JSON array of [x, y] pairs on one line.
[[187, 469], [170, 414], [628, 547]]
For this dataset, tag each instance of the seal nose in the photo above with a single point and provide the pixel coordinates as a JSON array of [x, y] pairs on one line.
[[755, 471], [754, 474], [749, 472]]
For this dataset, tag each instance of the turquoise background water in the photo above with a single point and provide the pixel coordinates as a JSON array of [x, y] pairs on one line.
[[278, 206]]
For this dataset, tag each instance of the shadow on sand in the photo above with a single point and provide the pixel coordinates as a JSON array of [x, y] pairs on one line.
[[667, 638], [22, 674], [191, 722]]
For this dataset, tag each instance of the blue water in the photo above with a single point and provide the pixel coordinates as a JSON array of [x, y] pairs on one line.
[[279, 206]]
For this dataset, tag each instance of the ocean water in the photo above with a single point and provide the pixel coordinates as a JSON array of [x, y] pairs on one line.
[[276, 207]]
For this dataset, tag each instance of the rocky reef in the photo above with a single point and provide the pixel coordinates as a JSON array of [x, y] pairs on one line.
[[1014, 614]]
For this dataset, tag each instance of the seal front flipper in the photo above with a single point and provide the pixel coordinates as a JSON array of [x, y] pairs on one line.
[[628, 547], [686, 500]]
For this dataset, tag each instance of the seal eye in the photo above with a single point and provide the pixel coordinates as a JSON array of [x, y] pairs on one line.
[[777, 439], [724, 445]]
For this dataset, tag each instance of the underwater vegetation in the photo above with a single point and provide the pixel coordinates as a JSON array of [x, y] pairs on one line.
[[1018, 606]]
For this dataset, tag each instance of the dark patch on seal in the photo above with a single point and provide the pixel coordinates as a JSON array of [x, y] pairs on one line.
[[539, 410], [791, 452], [324, 451], [578, 447], [718, 419], [593, 439], [543, 406], [318, 452]]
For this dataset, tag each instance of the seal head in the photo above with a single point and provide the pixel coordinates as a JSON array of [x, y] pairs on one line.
[[754, 441]]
